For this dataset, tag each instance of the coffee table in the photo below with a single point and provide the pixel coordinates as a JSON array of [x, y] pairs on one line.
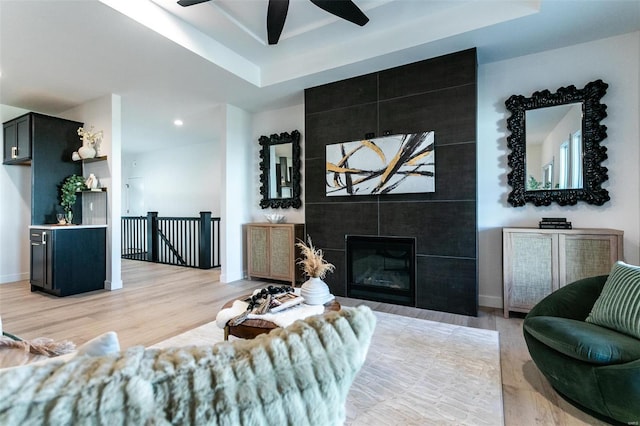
[[251, 328]]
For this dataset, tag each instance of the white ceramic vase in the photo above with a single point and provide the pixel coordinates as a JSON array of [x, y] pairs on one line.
[[92, 181], [86, 151], [314, 291]]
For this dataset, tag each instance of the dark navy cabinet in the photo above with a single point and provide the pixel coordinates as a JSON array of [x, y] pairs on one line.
[[46, 144], [67, 260], [17, 140]]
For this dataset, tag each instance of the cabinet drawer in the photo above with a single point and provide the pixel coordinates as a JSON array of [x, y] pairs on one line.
[[37, 236]]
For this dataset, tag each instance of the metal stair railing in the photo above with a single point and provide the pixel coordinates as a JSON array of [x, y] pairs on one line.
[[182, 241]]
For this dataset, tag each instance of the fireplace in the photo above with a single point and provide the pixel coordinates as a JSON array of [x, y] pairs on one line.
[[381, 269]]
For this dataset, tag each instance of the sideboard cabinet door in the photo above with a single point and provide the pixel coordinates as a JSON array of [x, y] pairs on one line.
[[281, 251], [587, 255], [531, 269], [258, 250], [537, 262]]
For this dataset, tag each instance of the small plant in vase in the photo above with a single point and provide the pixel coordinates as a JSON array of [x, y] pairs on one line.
[[70, 186], [314, 291], [90, 142]]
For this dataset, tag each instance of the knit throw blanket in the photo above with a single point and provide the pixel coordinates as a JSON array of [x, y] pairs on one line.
[[296, 375]]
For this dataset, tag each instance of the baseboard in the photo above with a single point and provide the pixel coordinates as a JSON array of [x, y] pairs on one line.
[[229, 278], [113, 285], [11, 278], [490, 301]]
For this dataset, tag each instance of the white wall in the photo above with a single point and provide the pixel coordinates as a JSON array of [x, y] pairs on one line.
[[236, 187], [180, 181], [15, 213], [617, 62], [267, 123], [104, 114]]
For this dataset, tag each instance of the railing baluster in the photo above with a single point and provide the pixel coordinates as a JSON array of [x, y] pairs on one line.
[[188, 242], [196, 244]]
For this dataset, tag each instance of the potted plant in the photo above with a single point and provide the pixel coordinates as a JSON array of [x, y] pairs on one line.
[[314, 291], [70, 186]]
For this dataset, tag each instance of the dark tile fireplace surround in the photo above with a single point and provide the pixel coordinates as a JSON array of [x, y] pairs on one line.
[[437, 94]]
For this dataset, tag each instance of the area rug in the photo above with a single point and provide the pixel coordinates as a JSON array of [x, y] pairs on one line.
[[417, 372]]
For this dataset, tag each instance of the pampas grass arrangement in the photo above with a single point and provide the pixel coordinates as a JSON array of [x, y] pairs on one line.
[[314, 291], [312, 262]]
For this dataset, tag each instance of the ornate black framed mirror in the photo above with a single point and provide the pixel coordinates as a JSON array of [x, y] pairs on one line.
[[555, 146], [280, 170]]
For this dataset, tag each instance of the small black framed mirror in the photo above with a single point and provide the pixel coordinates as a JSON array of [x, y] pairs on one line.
[[555, 146], [280, 170]]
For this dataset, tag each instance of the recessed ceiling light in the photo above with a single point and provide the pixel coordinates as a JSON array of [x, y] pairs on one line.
[[178, 122]]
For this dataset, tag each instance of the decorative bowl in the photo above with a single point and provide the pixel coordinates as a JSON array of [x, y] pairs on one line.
[[275, 217]]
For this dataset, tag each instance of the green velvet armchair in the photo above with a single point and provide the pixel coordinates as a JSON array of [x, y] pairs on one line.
[[595, 367]]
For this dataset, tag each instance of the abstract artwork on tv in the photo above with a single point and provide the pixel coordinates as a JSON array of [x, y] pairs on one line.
[[396, 164]]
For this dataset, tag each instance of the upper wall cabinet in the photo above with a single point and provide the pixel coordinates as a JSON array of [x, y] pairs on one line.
[[17, 140], [46, 143]]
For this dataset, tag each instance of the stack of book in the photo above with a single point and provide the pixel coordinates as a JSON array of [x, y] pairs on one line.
[[281, 302], [554, 223]]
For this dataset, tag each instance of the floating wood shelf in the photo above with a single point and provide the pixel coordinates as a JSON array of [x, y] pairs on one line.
[[93, 160]]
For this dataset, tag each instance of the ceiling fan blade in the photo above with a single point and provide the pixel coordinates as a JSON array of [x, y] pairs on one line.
[[276, 15], [345, 9], [185, 3]]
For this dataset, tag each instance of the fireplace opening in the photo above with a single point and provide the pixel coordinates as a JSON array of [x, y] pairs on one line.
[[381, 268]]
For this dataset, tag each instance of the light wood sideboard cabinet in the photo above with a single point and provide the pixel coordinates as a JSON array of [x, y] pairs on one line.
[[537, 262], [271, 251]]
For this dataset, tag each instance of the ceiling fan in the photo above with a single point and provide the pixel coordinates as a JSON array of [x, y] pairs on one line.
[[277, 13]]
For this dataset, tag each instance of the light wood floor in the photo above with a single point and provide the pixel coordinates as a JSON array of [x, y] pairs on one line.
[[160, 301]]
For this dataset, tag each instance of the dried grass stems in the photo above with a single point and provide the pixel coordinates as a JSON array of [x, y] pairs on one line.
[[312, 262], [38, 346]]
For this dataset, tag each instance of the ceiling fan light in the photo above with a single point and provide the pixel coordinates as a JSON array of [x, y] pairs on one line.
[[277, 13]]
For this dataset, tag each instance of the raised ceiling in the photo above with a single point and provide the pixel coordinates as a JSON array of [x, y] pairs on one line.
[[166, 61], [314, 41]]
